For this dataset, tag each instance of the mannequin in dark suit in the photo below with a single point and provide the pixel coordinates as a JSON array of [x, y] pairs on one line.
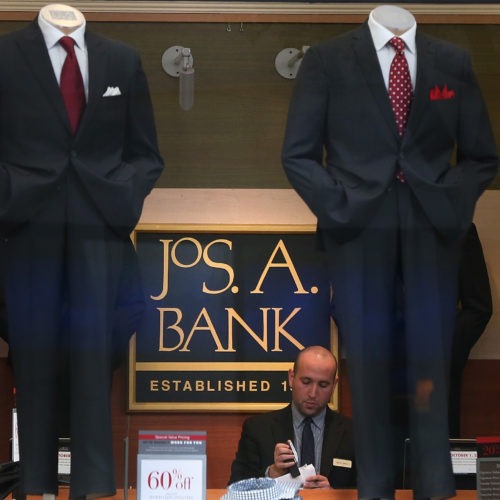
[[474, 311], [263, 448], [384, 237], [68, 202]]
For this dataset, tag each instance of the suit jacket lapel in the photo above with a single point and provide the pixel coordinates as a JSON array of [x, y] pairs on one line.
[[370, 67], [33, 49], [425, 65], [97, 59], [282, 425]]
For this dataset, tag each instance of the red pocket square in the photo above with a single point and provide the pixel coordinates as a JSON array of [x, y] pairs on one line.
[[436, 93]]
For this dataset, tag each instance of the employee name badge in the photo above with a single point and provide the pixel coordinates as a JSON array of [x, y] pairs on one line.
[[342, 462]]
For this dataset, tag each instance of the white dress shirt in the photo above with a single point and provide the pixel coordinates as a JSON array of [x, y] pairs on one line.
[[57, 54], [385, 53]]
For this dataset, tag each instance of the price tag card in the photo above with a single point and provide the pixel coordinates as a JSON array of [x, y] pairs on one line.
[[488, 468], [171, 477]]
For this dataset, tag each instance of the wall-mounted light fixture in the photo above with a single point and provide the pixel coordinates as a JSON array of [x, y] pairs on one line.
[[287, 62], [177, 61]]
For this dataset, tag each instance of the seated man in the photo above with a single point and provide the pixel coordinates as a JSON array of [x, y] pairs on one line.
[[263, 449]]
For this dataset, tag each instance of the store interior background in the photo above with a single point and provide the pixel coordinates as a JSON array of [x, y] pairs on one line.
[[232, 139]]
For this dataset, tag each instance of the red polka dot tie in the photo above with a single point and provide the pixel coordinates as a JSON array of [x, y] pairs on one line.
[[72, 83], [400, 89]]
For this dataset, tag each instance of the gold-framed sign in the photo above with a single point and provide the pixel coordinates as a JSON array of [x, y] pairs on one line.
[[227, 310]]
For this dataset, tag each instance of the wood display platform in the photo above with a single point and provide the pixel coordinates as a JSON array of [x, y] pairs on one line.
[[216, 494]]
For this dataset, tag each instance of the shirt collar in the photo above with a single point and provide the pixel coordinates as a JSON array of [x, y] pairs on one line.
[[381, 35], [52, 35], [317, 419]]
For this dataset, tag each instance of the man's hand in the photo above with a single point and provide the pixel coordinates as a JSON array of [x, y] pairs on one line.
[[316, 481], [283, 460]]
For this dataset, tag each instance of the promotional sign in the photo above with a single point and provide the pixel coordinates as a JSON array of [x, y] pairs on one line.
[[171, 465], [15, 437], [64, 461], [488, 468], [226, 314]]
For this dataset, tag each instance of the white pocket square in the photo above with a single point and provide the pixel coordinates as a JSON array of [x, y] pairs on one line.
[[112, 91]]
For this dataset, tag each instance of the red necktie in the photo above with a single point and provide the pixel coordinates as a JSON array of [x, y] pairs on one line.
[[400, 89], [72, 83]]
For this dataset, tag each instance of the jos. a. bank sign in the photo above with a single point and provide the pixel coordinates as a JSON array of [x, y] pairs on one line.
[[227, 312]]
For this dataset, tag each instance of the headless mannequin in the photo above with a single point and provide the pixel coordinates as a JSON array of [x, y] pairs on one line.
[[66, 19], [63, 17], [395, 19], [398, 21]]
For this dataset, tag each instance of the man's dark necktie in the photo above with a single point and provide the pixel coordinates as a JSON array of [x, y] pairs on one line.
[[307, 446], [72, 83]]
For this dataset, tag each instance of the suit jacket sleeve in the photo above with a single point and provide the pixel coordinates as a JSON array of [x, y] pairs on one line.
[[259, 436], [477, 160], [251, 458], [133, 162], [302, 151], [475, 143]]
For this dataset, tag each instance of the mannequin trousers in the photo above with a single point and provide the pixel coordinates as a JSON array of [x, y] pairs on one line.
[[63, 271], [397, 269]]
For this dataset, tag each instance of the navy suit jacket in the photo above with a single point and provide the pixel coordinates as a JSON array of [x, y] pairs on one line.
[[114, 153], [261, 432], [342, 150]]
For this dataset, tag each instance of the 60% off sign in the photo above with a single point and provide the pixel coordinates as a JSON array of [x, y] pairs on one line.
[[169, 479]]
